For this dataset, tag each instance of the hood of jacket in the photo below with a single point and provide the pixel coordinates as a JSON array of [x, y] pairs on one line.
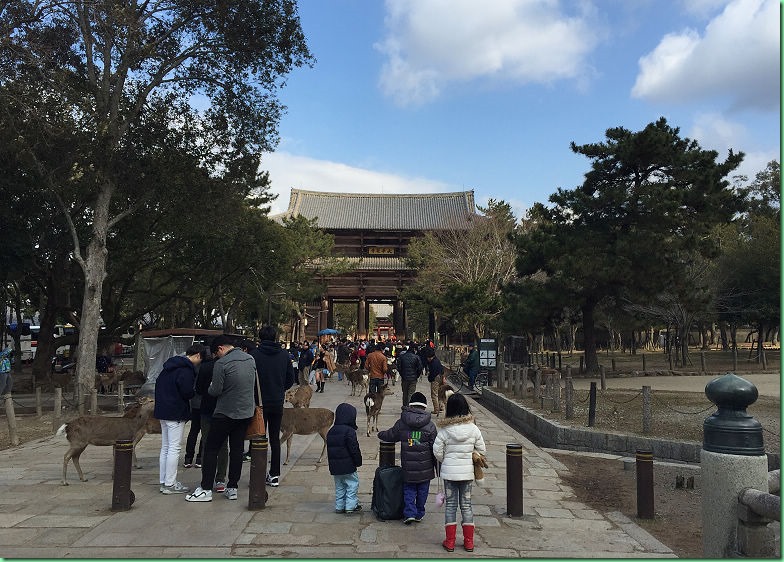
[[415, 417], [456, 420], [346, 414], [269, 347], [177, 362]]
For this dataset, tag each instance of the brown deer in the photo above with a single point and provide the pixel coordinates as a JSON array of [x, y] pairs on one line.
[[300, 396], [357, 378], [305, 421], [373, 402], [102, 430]]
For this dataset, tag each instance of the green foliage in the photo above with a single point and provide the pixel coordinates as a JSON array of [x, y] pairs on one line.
[[649, 201]]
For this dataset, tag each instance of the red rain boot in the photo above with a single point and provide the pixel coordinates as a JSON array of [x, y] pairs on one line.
[[449, 543], [468, 538]]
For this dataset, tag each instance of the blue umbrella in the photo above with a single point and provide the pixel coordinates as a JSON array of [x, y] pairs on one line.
[[328, 332]]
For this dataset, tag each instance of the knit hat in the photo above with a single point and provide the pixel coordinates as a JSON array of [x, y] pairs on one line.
[[418, 399]]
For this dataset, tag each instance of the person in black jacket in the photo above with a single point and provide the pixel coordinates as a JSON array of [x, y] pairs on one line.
[[276, 376], [416, 433], [304, 363], [203, 380], [173, 391], [410, 367], [344, 458], [435, 376]]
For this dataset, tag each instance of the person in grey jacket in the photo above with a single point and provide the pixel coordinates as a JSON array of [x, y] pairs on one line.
[[233, 380], [417, 434]]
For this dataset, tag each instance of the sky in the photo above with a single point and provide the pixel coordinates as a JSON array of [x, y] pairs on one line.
[[426, 96]]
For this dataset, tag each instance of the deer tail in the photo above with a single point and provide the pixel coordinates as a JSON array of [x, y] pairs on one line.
[[61, 431]]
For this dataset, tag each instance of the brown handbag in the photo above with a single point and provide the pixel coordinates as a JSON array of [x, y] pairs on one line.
[[256, 426]]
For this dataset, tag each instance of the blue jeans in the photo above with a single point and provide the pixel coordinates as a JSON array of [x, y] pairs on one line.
[[346, 488], [458, 491], [414, 497], [472, 377]]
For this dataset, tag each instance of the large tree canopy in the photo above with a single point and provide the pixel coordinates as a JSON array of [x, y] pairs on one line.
[[112, 85], [649, 200]]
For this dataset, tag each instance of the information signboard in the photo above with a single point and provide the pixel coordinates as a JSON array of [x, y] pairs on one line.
[[488, 350]]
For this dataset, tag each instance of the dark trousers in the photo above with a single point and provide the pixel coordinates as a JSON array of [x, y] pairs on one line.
[[414, 499], [193, 435], [273, 415], [409, 388], [375, 385], [221, 428]]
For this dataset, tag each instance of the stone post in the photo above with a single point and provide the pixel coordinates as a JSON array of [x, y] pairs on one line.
[[732, 459], [646, 410], [11, 416], [57, 413], [569, 393], [602, 377]]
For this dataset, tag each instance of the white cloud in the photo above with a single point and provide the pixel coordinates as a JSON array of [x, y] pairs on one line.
[[737, 59], [290, 171], [715, 132], [431, 44], [703, 8]]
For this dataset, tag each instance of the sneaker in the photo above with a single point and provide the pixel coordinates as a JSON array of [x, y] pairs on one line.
[[199, 495], [246, 457], [340, 511], [409, 520], [355, 510], [219, 487], [188, 463], [176, 488], [272, 481], [230, 493], [419, 519], [197, 464]]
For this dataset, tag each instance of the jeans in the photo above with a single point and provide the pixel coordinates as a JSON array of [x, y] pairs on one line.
[[346, 487], [193, 435], [223, 451], [472, 377], [171, 443], [414, 498], [221, 428], [458, 491], [375, 385], [273, 415]]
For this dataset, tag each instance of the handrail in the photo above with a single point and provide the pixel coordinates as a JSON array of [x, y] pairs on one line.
[[762, 503]]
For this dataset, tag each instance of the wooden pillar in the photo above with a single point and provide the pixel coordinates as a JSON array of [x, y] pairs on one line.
[[330, 313], [398, 319], [361, 314]]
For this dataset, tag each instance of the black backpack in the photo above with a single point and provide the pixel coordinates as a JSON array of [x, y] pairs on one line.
[[387, 502]]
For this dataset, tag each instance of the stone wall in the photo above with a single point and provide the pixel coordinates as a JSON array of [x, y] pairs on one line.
[[550, 434]]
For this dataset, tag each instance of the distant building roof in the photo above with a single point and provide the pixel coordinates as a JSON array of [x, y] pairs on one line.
[[375, 211], [374, 263]]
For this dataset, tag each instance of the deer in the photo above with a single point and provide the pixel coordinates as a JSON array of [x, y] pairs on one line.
[[300, 396], [373, 402], [357, 378], [305, 421], [102, 430]]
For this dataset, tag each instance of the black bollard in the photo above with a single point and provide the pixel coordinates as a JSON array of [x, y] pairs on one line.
[[592, 405], [386, 454], [257, 486], [514, 480], [645, 484], [122, 496]]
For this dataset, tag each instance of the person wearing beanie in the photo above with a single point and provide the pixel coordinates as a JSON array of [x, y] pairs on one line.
[[416, 433], [344, 458]]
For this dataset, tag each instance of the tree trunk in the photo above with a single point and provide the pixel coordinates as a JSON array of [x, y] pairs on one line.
[[589, 337]]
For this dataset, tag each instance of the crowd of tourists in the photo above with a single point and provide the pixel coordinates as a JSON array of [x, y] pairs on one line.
[[217, 388]]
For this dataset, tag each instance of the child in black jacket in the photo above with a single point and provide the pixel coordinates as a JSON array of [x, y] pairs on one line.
[[344, 457], [416, 434]]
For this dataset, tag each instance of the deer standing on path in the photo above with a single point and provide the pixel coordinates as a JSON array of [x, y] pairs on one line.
[[103, 430], [305, 421], [373, 402]]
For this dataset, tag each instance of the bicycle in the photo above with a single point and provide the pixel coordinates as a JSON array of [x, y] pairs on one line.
[[460, 378]]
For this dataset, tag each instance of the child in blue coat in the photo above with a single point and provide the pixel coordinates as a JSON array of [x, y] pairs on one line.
[[344, 458]]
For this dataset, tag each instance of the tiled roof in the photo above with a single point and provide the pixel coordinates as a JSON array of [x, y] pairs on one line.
[[358, 211]]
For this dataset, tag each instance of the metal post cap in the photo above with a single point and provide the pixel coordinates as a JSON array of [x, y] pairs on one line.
[[731, 430]]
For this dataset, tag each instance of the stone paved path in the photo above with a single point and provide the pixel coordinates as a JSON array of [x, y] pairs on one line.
[[42, 519]]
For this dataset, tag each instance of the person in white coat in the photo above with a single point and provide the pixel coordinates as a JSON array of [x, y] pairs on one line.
[[458, 437]]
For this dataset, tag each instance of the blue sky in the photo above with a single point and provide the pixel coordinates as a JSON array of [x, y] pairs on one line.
[[413, 96]]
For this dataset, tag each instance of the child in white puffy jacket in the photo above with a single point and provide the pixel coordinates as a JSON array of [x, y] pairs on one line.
[[458, 437]]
